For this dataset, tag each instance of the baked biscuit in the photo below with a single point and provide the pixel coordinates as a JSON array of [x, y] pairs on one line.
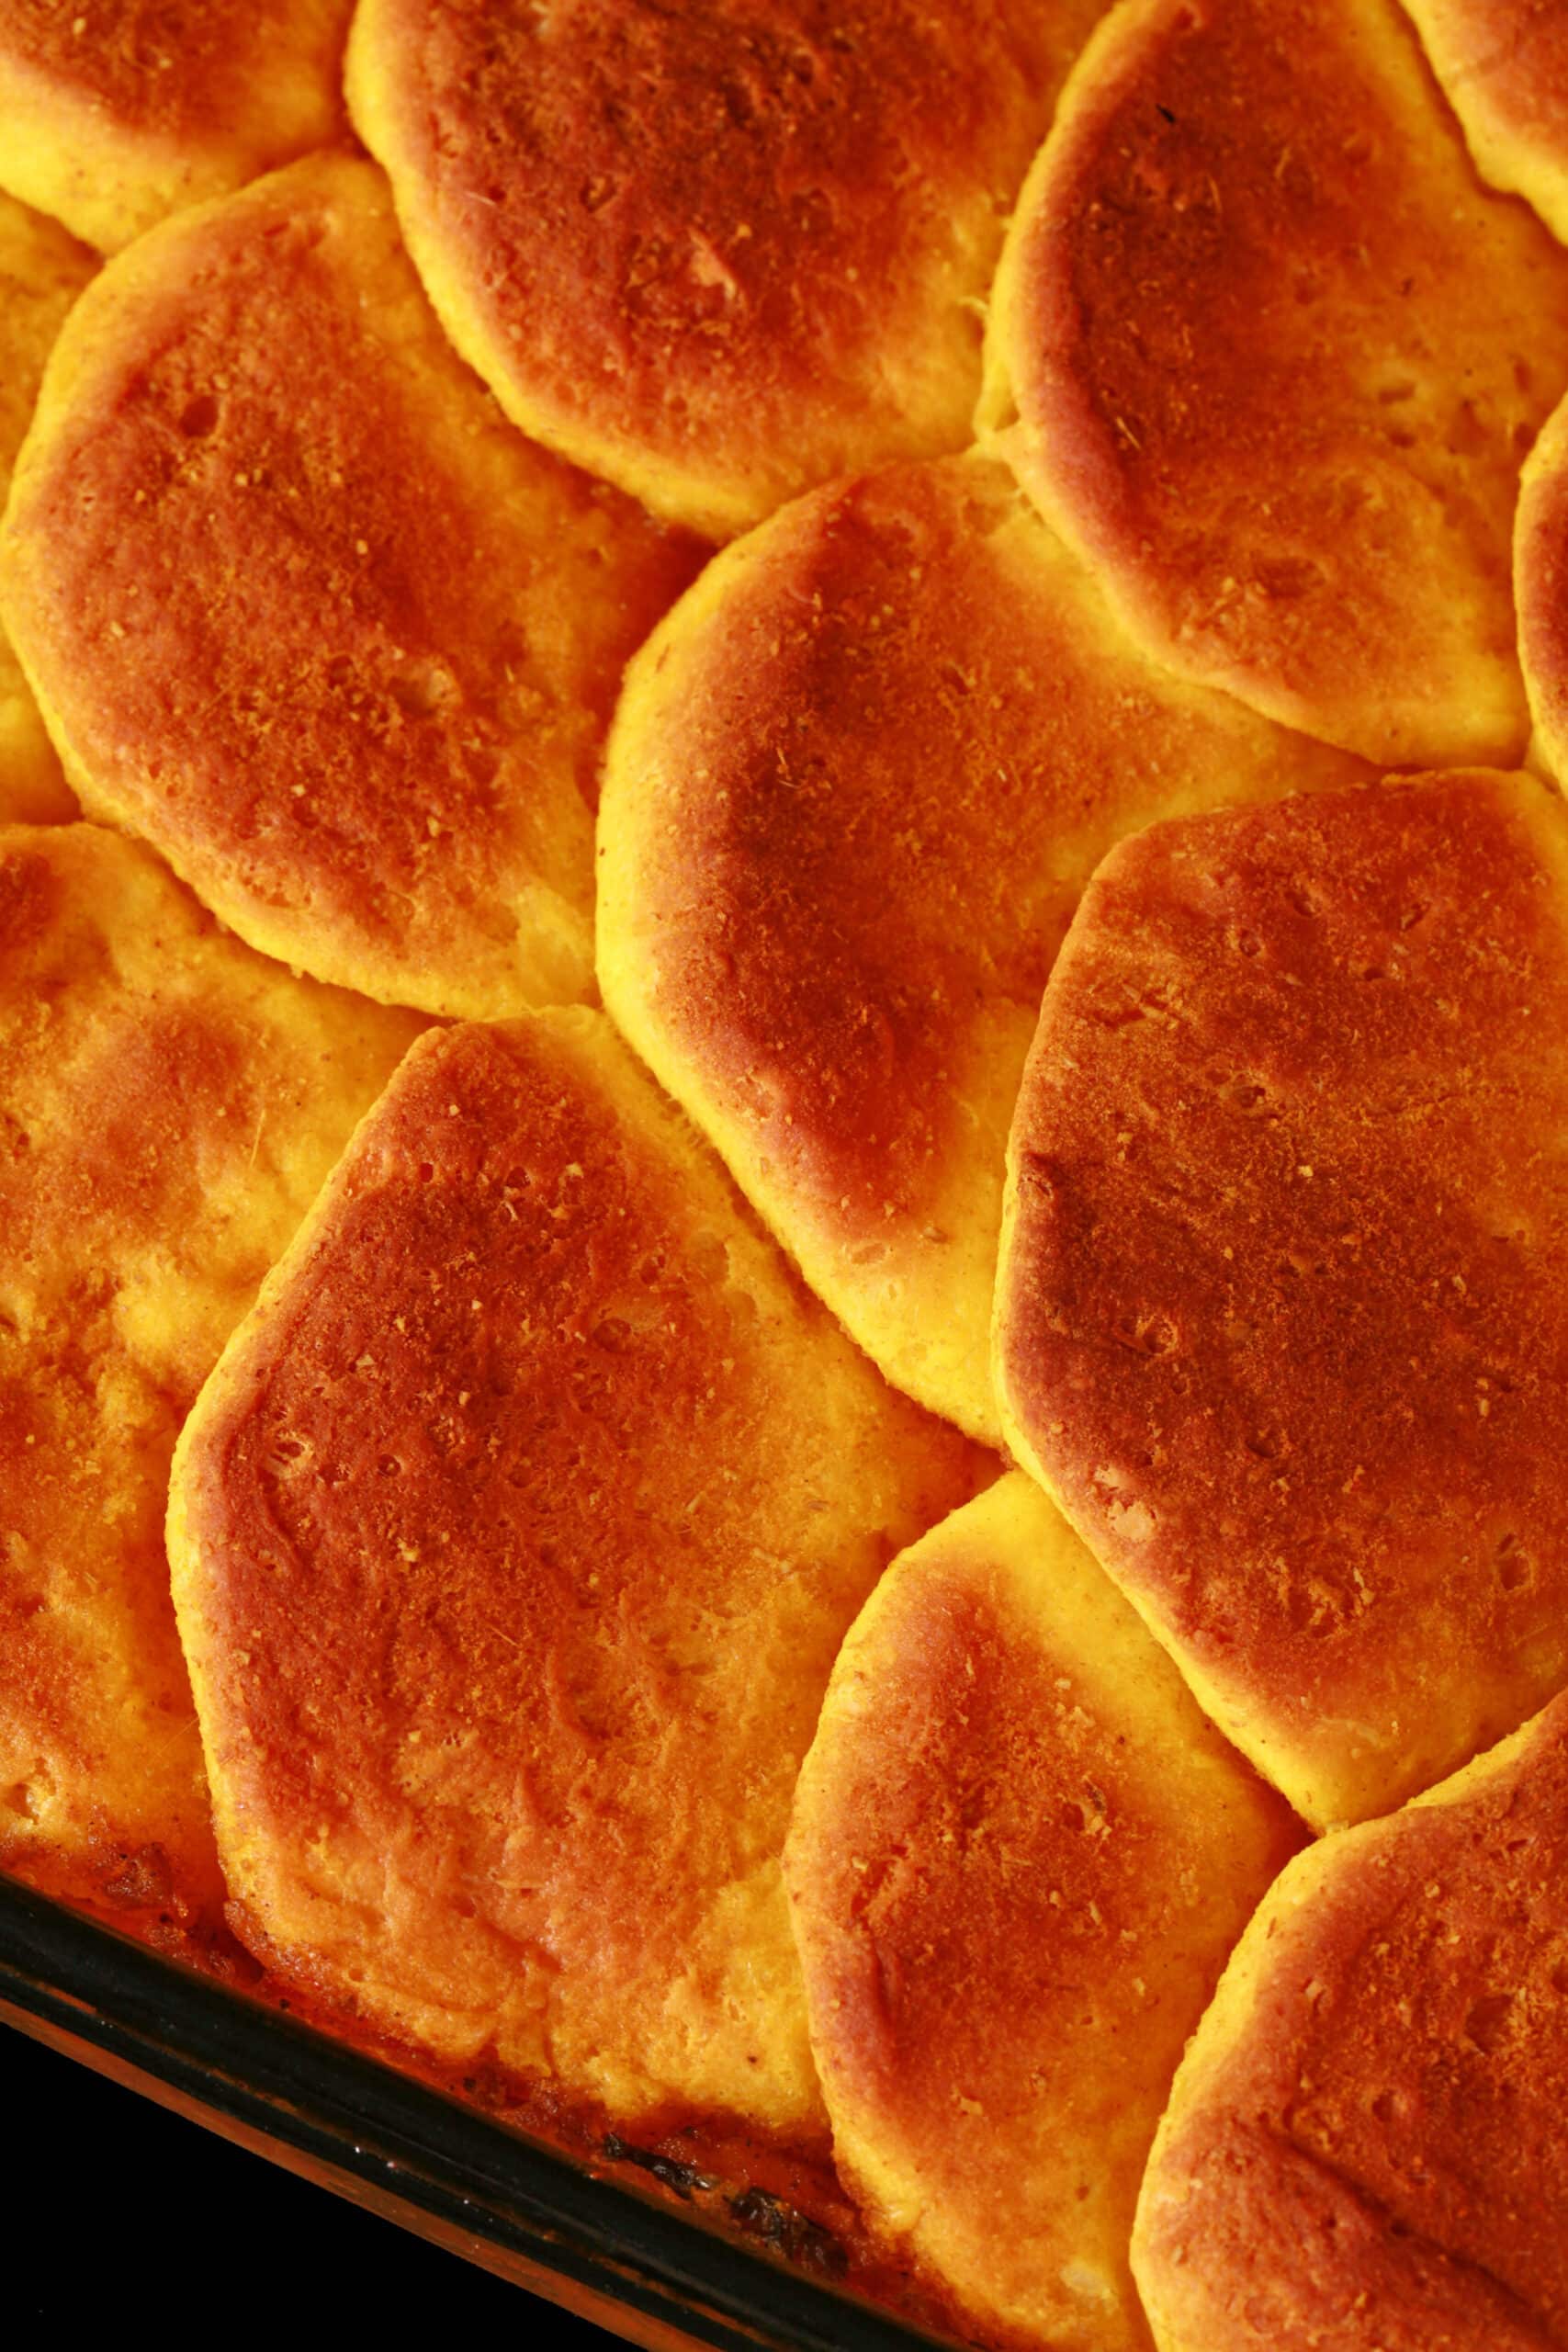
[[1504, 68], [169, 1104], [717, 254], [514, 1539], [1282, 1314], [1366, 2144], [114, 113], [41, 272], [1275, 356], [855, 784], [1541, 588], [1019, 1857], [302, 609]]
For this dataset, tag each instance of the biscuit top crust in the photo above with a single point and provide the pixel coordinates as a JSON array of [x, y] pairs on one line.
[[721, 252], [1504, 68], [1020, 1857], [116, 112], [1540, 586], [169, 1104], [308, 613], [516, 1537], [1366, 2146], [855, 785], [1278, 356], [173, 67], [42, 270], [1283, 1311]]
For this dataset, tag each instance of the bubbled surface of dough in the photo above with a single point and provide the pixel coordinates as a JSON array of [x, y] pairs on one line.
[[513, 1541], [169, 1104]]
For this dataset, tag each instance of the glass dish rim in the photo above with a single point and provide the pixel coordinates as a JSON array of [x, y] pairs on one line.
[[276, 2078]]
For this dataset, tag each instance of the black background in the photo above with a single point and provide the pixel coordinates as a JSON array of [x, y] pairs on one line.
[[117, 2212]]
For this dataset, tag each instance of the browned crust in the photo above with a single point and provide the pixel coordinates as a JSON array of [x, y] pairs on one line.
[[310, 618], [512, 1558], [1504, 68], [719, 253], [1284, 1316], [1376, 2156], [42, 271], [901, 745], [854, 789], [844, 831], [167, 1102], [1019, 1859], [183, 68], [1277, 357], [1540, 586]]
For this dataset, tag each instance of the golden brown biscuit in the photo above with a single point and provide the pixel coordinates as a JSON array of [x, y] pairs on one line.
[[1365, 2148], [114, 113], [41, 272], [1541, 588], [514, 1539], [1504, 68], [715, 254], [169, 1104], [1276, 356], [855, 784], [1019, 1857], [304, 610], [1282, 1314]]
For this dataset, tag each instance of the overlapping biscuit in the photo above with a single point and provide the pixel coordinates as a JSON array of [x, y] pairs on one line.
[[1274, 356], [1541, 588], [1019, 1857], [304, 611], [1283, 1314], [513, 1539], [715, 254], [855, 784], [1365, 2147], [169, 1104], [1504, 68], [114, 113], [41, 272]]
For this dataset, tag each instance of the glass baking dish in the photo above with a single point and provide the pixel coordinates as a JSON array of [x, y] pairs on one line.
[[644, 2268]]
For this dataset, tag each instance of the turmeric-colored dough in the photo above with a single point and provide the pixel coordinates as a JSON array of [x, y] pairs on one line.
[[41, 272], [169, 1104], [856, 782], [1282, 1316], [513, 1539], [1274, 355], [1366, 2147], [717, 254], [304, 610], [1019, 1857], [114, 113], [1504, 68], [1540, 587]]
